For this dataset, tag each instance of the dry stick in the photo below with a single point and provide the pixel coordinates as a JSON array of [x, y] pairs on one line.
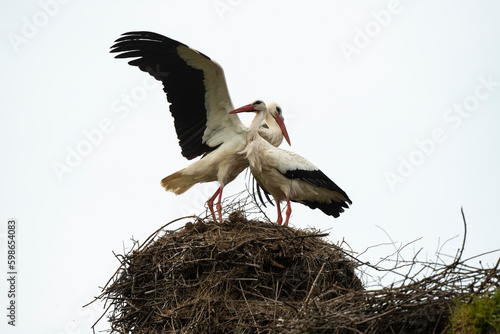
[[370, 247], [297, 237], [459, 255], [314, 283], [276, 300], [392, 242], [493, 271], [376, 266], [413, 262], [246, 301], [95, 323], [482, 254], [122, 263], [161, 228], [262, 327], [397, 252]]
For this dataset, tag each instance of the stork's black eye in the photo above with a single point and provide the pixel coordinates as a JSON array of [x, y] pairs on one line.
[[257, 102], [278, 109]]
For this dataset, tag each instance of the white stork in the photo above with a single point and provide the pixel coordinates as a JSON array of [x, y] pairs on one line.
[[199, 103], [288, 176]]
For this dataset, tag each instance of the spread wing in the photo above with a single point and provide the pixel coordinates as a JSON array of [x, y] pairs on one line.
[[195, 86]]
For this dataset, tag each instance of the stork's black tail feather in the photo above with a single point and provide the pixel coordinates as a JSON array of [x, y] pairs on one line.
[[256, 191], [332, 209]]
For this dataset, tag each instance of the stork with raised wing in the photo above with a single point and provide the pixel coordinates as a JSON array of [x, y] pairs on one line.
[[199, 103], [288, 176]]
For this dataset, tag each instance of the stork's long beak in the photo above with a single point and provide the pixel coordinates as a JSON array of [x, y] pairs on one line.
[[246, 108], [282, 126]]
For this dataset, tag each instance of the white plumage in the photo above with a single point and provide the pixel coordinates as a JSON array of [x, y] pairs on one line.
[[197, 90], [286, 175]]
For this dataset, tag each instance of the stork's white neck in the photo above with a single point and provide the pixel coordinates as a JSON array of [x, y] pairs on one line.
[[253, 131], [271, 122]]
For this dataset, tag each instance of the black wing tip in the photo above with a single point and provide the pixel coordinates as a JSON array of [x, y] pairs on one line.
[[135, 40], [130, 36], [142, 36], [332, 209]]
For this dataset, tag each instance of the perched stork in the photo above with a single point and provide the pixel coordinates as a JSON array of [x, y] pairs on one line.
[[288, 176], [199, 103]]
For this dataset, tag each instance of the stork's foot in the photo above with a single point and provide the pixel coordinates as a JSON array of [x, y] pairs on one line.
[[210, 204], [278, 207], [219, 211], [279, 221], [212, 212], [218, 206]]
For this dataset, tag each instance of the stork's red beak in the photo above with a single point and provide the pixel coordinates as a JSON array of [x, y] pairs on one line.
[[282, 126], [279, 120], [246, 108]]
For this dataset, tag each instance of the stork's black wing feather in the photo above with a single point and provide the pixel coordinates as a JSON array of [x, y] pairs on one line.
[[332, 209], [257, 192], [158, 55], [316, 178], [319, 179], [266, 194]]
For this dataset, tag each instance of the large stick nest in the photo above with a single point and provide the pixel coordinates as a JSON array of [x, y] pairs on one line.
[[245, 276], [213, 278]]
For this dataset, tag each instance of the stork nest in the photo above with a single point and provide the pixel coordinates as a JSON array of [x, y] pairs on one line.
[[216, 278], [247, 276]]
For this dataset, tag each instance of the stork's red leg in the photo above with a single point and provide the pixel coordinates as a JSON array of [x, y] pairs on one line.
[[219, 206], [210, 203], [280, 219], [288, 210]]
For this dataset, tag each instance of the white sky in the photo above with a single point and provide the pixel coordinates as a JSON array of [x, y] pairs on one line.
[[355, 105]]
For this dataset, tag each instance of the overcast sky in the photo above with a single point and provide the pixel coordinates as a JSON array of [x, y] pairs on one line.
[[396, 101]]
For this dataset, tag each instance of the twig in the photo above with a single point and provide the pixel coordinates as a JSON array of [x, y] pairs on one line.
[[246, 301], [314, 283]]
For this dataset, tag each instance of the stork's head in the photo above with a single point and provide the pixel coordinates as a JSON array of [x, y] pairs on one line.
[[272, 109], [256, 106], [275, 110]]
